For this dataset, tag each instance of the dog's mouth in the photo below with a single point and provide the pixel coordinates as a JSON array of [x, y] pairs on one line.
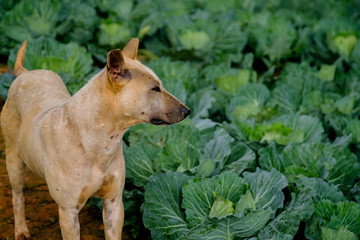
[[159, 122]]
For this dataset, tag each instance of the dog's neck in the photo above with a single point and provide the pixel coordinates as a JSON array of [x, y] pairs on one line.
[[90, 111]]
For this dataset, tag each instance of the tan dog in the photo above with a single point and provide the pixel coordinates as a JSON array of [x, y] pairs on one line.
[[75, 143]]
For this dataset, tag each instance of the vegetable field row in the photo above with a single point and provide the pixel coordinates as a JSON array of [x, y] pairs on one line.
[[271, 148]]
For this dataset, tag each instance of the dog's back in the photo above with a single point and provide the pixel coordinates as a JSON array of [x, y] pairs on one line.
[[33, 91]]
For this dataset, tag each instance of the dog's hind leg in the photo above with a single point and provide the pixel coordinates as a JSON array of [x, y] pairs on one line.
[[10, 125], [16, 167]]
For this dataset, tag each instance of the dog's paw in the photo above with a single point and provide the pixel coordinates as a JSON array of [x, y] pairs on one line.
[[23, 236]]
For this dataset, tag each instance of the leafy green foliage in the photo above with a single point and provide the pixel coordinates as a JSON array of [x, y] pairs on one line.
[[274, 134], [232, 81], [334, 163], [337, 216], [200, 195], [228, 206], [248, 102], [321, 189], [287, 222], [266, 192], [193, 155], [139, 161], [5, 80], [342, 233], [70, 61], [162, 213], [38, 18], [77, 21], [112, 33], [274, 34]]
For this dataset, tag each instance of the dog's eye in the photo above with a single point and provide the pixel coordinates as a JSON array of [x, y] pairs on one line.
[[156, 89]]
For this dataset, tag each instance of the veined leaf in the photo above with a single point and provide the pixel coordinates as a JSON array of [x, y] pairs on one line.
[[246, 202], [139, 161], [159, 135], [121, 9], [179, 155], [271, 157], [31, 20], [347, 215], [192, 40], [267, 188], [201, 102], [353, 128], [219, 147], [300, 208], [310, 126], [295, 83], [206, 168], [177, 88], [345, 105], [231, 83], [200, 194], [339, 215], [275, 236], [277, 132], [113, 33], [149, 12], [355, 191], [185, 72], [221, 208], [287, 98], [322, 190], [274, 36], [331, 162], [231, 227], [342, 233], [162, 212], [240, 159], [78, 21], [248, 102]]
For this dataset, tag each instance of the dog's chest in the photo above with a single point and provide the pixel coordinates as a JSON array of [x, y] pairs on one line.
[[108, 150], [112, 144]]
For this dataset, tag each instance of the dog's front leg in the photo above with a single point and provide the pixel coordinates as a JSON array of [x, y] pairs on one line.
[[69, 223], [113, 216]]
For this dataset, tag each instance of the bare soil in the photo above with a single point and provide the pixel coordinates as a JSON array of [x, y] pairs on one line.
[[41, 210]]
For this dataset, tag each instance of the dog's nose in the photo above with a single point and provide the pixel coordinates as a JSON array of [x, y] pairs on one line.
[[186, 111]]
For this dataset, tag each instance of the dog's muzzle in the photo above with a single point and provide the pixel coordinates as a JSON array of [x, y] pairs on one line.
[[159, 122], [184, 112]]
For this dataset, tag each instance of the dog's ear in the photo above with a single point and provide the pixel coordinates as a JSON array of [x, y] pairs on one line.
[[117, 74], [115, 63], [131, 49]]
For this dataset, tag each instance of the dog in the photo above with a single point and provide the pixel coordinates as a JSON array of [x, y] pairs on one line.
[[75, 142]]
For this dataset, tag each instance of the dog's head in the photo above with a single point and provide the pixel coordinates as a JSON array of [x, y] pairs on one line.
[[138, 92]]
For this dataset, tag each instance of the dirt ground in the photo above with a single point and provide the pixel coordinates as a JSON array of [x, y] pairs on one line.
[[41, 210]]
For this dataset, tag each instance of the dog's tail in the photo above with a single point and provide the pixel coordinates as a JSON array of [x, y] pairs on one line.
[[19, 69]]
